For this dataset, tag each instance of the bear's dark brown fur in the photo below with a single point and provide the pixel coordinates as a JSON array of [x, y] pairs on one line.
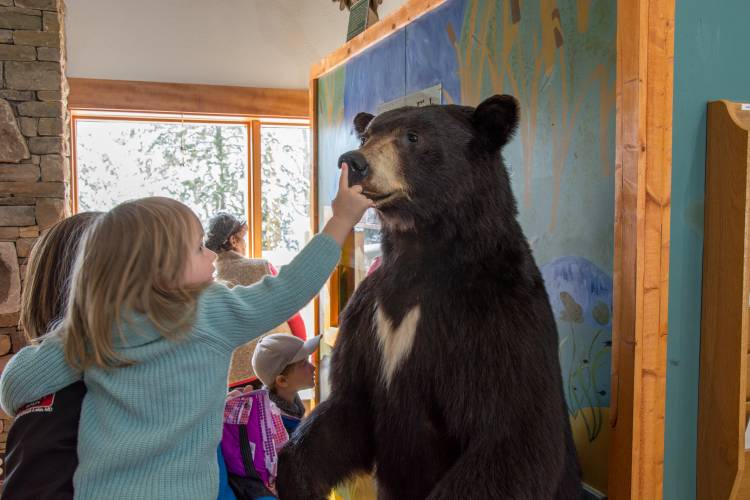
[[445, 376]]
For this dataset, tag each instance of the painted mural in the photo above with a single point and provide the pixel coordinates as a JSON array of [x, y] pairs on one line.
[[558, 58]]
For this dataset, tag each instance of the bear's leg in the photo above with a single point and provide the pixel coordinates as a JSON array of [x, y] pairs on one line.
[[334, 442], [489, 471], [382, 494], [570, 483]]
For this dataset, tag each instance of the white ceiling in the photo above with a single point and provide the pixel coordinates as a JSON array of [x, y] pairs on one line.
[[252, 43]]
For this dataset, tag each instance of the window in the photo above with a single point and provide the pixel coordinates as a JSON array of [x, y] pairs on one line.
[[285, 175], [285, 186], [256, 169], [204, 165]]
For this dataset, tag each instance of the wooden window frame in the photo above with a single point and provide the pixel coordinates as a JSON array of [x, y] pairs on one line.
[[643, 169], [118, 100]]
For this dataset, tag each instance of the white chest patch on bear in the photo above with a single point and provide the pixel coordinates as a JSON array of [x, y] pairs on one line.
[[395, 344]]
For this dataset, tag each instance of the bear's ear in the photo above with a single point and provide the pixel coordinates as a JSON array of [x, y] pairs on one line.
[[496, 119], [361, 121]]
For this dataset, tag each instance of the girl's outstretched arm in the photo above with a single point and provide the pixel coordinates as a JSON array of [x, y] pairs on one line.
[[240, 314], [34, 372]]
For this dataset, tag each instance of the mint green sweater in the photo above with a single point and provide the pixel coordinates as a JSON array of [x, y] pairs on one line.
[[151, 430]]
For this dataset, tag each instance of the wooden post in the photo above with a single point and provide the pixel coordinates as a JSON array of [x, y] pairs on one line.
[[645, 48]]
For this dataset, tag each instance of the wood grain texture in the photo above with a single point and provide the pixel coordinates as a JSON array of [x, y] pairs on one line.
[[645, 36], [122, 95]]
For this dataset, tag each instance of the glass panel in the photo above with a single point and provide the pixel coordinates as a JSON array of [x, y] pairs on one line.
[[202, 165], [285, 195], [285, 188]]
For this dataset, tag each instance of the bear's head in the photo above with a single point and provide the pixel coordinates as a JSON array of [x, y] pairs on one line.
[[420, 165]]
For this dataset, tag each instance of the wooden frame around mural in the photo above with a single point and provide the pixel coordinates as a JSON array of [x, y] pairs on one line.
[[645, 38]]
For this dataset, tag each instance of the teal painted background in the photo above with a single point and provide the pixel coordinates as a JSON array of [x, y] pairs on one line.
[[712, 40], [558, 58]]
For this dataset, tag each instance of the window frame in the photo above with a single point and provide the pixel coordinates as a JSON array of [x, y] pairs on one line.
[[113, 100], [254, 182]]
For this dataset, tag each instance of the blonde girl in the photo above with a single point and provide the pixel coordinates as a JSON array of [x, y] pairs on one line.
[[152, 337]]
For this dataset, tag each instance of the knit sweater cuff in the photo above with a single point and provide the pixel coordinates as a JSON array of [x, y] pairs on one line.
[[317, 259], [34, 372]]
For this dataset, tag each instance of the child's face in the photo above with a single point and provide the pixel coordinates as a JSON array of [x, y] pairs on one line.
[[239, 244], [301, 376], [200, 265]]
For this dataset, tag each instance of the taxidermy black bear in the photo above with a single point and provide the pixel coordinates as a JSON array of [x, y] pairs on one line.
[[445, 377]]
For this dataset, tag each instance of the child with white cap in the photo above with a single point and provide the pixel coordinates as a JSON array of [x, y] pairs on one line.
[[281, 362], [257, 424]]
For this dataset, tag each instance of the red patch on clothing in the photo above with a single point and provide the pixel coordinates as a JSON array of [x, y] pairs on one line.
[[44, 404]]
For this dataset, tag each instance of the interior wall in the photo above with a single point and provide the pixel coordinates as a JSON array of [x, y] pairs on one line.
[[34, 155], [711, 41], [251, 43]]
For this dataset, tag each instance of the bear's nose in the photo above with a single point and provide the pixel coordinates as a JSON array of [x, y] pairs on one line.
[[358, 166]]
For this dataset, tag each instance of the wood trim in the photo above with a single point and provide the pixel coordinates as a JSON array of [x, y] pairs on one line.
[[396, 20], [250, 171], [645, 62], [73, 202], [157, 97], [256, 191], [156, 117], [314, 219]]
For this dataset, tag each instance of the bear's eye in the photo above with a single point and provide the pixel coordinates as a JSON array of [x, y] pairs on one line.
[[362, 140], [412, 137]]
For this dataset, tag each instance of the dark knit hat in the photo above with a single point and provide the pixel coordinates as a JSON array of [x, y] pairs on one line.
[[220, 227]]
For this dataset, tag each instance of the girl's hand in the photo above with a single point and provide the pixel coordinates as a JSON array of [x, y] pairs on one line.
[[350, 204], [348, 208]]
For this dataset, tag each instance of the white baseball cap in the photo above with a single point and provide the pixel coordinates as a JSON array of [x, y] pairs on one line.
[[277, 351]]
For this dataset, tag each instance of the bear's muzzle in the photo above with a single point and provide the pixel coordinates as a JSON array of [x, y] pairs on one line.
[[358, 166]]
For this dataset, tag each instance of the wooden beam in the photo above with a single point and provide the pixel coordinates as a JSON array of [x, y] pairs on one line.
[[121, 95], [315, 219], [645, 50], [255, 192], [396, 20]]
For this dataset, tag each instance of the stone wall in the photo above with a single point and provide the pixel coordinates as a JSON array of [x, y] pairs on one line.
[[34, 149]]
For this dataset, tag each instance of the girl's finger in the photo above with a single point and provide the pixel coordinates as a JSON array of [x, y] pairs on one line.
[[344, 178]]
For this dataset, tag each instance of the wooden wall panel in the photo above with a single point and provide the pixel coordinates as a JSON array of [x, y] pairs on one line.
[[121, 95], [645, 63]]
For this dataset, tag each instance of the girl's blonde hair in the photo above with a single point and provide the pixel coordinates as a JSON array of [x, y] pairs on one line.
[[48, 273], [133, 260]]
